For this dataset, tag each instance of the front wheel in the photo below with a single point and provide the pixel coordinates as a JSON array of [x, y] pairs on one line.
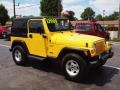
[[19, 55], [74, 67]]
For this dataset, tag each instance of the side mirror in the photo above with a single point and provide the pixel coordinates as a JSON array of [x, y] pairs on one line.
[[45, 36]]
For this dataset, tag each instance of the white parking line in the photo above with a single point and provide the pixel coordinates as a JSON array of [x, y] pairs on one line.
[[112, 67], [115, 43], [4, 46]]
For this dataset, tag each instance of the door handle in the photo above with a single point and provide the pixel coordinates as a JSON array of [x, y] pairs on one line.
[[30, 36]]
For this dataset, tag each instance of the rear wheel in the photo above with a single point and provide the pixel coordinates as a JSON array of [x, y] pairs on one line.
[[19, 55], [74, 67]]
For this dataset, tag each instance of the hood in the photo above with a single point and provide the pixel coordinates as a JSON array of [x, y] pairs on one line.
[[74, 39]]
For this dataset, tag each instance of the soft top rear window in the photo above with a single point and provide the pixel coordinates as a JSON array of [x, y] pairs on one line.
[[19, 27]]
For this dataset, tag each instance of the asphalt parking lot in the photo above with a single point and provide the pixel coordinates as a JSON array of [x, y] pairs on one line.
[[41, 75]]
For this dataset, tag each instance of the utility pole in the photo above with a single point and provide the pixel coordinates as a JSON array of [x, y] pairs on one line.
[[14, 9], [103, 18], [58, 8], [119, 23]]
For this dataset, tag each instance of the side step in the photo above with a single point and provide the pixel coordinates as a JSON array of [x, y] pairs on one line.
[[36, 57]]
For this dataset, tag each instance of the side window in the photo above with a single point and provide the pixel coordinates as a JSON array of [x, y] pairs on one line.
[[99, 28], [95, 27], [36, 26], [19, 28]]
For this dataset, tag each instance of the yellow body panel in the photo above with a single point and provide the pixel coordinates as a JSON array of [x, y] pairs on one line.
[[56, 41]]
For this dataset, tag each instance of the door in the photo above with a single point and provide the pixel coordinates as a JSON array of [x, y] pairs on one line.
[[36, 41]]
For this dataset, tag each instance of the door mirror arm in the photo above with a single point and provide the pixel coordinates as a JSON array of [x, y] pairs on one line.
[[44, 35]]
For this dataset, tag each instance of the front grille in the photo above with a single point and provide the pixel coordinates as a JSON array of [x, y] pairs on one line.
[[100, 46]]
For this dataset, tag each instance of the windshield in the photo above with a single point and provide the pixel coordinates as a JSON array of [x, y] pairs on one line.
[[58, 24], [83, 27]]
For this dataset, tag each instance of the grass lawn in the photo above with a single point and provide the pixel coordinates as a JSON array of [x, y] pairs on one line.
[[116, 40]]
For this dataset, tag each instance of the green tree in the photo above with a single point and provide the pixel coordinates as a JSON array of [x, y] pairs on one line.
[[88, 14], [70, 16], [50, 7], [3, 15], [99, 17], [113, 16], [12, 18]]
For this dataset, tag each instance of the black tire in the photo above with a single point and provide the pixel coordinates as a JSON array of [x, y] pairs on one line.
[[80, 62], [20, 59]]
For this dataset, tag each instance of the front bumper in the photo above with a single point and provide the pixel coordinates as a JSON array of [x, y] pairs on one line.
[[95, 61]]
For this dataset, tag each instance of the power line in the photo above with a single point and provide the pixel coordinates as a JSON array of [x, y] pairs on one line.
[[26, 6]]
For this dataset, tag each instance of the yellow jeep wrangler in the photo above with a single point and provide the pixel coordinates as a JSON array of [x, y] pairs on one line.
[[53, 37]]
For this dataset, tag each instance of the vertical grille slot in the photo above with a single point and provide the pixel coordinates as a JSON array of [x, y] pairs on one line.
[[100, 46]]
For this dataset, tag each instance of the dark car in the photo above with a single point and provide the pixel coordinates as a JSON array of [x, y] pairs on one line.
[[6, 33], [91, 28]]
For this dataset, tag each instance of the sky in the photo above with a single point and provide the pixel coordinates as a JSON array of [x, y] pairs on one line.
[[78, 6]]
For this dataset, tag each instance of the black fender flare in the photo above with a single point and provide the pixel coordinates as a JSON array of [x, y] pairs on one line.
[[21, 43], [73, 50]]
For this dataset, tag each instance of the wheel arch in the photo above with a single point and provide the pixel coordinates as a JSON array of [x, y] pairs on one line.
[[67, 50], [20, 43]]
